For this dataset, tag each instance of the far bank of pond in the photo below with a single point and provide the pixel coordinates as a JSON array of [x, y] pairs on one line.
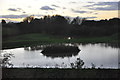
[[39, 39]]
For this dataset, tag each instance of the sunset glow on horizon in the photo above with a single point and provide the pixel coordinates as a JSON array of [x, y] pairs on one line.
[[16, 10]]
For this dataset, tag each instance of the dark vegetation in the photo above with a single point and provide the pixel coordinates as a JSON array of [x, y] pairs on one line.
[[38, 73], [40, 39], [61, 26], [60, 49], [75, 72], [62, 55], [57, 29]]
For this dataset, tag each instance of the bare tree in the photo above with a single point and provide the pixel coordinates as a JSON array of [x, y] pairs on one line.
[[28, 19]]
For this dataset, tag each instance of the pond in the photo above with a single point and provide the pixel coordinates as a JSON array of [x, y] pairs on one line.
[[99, 54]]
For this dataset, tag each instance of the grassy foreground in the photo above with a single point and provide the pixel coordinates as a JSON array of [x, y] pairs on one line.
[[38, 39], [58, 73]]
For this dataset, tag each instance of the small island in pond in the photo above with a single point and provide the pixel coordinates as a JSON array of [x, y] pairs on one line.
[[60, 49]]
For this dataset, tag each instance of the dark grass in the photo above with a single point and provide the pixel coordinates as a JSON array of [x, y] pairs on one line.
[[59, 73], [39, 39]]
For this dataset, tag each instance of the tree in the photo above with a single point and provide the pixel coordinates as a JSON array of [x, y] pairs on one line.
[[68, 20], [77, 21], [28, 19], [3, 21]]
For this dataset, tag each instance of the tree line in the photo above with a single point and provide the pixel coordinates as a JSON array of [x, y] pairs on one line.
[[63, 26]]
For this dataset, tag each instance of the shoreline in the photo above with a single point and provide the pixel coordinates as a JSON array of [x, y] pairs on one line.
[[40, 39], [59, 73]]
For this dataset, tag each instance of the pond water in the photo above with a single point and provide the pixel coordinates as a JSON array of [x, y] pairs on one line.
[[99, 54]]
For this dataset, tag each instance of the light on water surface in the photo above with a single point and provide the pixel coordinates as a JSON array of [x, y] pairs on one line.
[[100, 55]]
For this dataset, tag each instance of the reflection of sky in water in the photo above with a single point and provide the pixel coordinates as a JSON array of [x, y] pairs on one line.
[[90, 53], [99, 55]]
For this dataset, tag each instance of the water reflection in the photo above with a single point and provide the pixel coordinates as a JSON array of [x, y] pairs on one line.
[[55, 46], [98, 54], [54, 50], [60, 55], [33, 48], [6, 59], [113, 45]]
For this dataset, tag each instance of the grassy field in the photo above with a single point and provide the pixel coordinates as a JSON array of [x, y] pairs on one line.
[[37, 39]]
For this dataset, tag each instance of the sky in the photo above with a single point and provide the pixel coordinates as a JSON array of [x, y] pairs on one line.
[[16, 10]]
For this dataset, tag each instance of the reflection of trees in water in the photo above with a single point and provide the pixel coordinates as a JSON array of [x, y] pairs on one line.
[[60, 55], [113, 45], [32, 48], [6, 61], [41, 47], [77, 64]]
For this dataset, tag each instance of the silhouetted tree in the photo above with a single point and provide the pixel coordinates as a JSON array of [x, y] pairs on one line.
[[77, 21], [3, 21], [28, 19], [60, 25]]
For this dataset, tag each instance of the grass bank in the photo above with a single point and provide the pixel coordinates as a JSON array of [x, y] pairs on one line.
[[58, 73], [38, 39]]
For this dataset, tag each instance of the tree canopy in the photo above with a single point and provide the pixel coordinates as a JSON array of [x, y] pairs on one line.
[[60, 25]]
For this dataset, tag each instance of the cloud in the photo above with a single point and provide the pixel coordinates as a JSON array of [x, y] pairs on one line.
[[29, 6], [13, 16], [78, 11], [119, 5], [105, 6], [24, 12], [72, 2], [90, 17], [91, 2], [12, 9], [106, 3], [88, 6], [110, 6], [18, 16], [95, 13], [46, 8], [17, 10], [55, 6], [38, 15], [71, 18], [64, 7]]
